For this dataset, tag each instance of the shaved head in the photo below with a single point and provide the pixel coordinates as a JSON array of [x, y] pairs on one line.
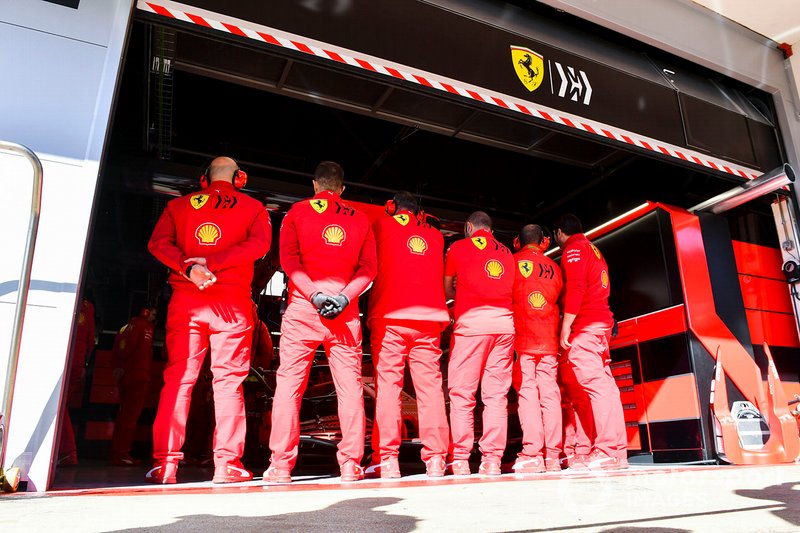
[[222, 169]]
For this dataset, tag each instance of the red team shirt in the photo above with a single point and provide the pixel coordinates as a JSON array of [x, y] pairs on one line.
[[537, 286], [404, 244], [327, 246], [209, 224], [587, 284], [484, 271]]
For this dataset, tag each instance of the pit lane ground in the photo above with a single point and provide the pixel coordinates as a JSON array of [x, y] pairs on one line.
[[643, 498]]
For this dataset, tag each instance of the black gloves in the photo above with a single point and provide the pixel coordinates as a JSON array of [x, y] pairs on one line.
[[329, 306], [334, 306]]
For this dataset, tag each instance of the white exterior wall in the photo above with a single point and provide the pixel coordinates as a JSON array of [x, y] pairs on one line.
[[59, 72]]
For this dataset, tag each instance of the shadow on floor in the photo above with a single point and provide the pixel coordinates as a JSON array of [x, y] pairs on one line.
[[361, 514], [786, 493]]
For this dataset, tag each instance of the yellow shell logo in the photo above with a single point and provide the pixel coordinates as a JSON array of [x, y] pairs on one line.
[[334, 235], [402, 219], [198, 200], [529, 67], [208, 234], [319, 205], [479, 242], [596, 252], [417, 245], [537, 300], [494, 268], [525, 268], [604, 279]]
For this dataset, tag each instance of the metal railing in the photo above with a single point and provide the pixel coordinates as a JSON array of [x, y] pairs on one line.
[[22, 296]]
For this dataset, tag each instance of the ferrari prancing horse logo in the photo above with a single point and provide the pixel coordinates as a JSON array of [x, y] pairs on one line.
[[319, 205], [198, 200], [402, 219], [525, 268], [529, 67], [479, 242]]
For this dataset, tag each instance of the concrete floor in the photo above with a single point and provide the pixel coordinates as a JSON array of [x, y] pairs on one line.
[[644, 498]]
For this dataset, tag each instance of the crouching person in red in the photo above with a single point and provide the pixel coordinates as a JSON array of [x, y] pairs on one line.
[[209, 240]]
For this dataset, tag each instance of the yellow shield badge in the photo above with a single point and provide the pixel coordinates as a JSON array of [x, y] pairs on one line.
[[529, 67], [525, 268], [319, 205], [402, 219], [479, 242], [198, 200]]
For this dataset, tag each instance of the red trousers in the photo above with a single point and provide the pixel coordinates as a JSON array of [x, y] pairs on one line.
[[196, 323], [302, 331], [394, 342], [594, 393], [132, 395], [483, 360], [536, 382]]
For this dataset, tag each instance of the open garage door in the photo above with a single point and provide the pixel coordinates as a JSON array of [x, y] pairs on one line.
[[411, 95]]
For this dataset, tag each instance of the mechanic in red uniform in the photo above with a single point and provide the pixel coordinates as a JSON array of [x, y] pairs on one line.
[[328, 252], [81, 350], [585, 332], [479, 274], [209, 240], [133, 350], [537, 287], [407, 312]]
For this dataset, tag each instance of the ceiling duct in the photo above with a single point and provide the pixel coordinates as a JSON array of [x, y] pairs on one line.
[[764, 184]]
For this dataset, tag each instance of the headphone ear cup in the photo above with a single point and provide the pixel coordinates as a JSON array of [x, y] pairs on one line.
[[204, 179], [517, 245], [391, 208], [239, 179]]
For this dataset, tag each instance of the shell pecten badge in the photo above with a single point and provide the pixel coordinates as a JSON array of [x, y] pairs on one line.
[[334, 235], [529, 67], [417, 245], [494, 268], [537, 300], [208, 234]]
